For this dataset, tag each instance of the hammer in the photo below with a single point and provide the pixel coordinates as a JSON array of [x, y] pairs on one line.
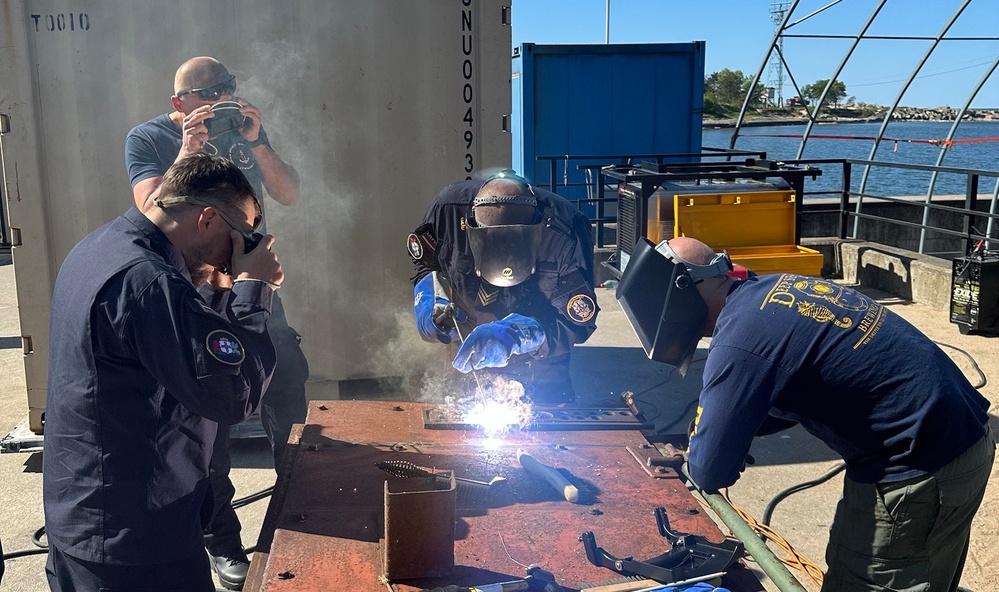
[[549, 474]]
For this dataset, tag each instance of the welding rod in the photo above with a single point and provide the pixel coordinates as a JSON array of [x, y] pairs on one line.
[[461, 338], [549, 474]]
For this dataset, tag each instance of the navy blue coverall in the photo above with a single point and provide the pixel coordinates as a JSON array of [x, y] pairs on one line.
[[141, 369], [150, 149], [559, 294]]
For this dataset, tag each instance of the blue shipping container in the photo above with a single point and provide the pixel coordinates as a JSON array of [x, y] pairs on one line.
[[603, 100]]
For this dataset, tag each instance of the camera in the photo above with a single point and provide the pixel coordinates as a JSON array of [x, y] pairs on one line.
[[227, 118], [251, 240]]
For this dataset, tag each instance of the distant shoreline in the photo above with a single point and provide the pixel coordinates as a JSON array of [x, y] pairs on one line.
[[791, 121], [849, 115]]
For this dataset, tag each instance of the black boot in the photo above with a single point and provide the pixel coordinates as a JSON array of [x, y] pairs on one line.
[[231, 569]]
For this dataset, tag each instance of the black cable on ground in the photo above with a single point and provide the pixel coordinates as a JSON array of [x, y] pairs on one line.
[[974, 364], [43, 548], [37, 539], [769, 511]]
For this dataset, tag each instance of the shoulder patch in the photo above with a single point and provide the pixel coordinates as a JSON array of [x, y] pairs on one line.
[[225, 347], [580, 308], [422, 243], [415, 248]]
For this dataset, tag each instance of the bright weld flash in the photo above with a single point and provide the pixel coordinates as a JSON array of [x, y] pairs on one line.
[[502, 407], [497, 416], [492, 443]]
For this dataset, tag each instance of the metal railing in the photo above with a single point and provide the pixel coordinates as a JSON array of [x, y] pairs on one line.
[[602, 210], [970, 222], [942, 225]]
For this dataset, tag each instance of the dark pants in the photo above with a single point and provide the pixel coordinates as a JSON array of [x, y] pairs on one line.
[[910, 535], [282, 405], [68, 574]]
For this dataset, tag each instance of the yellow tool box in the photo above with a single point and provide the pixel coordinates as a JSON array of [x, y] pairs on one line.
[[757, 228]]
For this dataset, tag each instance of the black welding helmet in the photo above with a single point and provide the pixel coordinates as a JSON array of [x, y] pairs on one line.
[[658, 294], [506, 254]]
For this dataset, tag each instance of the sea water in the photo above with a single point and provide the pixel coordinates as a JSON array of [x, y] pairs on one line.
[[881, 180]]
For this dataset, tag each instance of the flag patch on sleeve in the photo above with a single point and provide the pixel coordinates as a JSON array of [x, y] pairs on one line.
[[225, 347]]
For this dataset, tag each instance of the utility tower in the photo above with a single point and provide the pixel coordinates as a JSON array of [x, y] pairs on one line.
[[775, 72]]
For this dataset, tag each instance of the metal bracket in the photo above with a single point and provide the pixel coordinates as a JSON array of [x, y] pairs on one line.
[[654, 464], [21, 439], [691, 556]]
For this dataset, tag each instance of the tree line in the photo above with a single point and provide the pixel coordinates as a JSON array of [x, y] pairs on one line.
[[726, 90]]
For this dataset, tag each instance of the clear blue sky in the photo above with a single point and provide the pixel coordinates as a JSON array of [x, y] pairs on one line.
[[738, 33]]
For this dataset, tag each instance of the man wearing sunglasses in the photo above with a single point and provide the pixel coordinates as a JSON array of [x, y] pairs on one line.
[[200, 84], [209, 118], [142, 375], [504, 273]]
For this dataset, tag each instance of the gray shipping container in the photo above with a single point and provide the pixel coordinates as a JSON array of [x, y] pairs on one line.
[[378, 104]]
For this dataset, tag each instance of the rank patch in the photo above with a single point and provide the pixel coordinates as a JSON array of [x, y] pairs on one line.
[[580, 308], [224, 347]]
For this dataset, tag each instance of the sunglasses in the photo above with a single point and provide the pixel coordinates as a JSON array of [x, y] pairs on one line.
[[251, 238], [213, 93]]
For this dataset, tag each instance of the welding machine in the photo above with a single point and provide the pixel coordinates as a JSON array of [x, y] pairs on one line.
[[974, 293], [748, 209]]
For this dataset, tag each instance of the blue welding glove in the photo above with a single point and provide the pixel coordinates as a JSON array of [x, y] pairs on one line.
[[428, 306], [491, 345]]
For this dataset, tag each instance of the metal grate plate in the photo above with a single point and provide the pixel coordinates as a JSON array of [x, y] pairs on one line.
[[548, 419]]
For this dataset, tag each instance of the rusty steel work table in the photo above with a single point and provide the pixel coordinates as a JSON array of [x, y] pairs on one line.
[[325, 520]]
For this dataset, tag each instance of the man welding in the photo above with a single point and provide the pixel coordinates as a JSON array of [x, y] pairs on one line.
[[912, 430], [504, 272]]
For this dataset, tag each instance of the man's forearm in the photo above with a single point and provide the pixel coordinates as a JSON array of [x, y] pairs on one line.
[[280, 178]]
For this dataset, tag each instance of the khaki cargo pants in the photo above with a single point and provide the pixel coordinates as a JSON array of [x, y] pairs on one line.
[[912, 535]]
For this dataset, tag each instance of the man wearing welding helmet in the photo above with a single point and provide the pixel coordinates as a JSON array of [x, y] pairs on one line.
[[504, 273], [785, 348], [209, 118]]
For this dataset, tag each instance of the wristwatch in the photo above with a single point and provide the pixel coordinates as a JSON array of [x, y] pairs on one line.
[[255, 143]]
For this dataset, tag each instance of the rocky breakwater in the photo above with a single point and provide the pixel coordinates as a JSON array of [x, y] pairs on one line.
[[853, 113], [943, 114]]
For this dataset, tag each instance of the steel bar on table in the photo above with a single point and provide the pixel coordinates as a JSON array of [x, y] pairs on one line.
[[755, 547]]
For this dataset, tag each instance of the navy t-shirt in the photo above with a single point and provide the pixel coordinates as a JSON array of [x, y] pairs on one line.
[[853, 373], [151, 147]]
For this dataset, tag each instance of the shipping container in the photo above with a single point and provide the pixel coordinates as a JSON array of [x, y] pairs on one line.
[[599, 100], [377, 104]]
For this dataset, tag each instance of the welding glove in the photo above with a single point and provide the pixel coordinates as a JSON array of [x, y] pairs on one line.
[[434, 313], [491, 345]]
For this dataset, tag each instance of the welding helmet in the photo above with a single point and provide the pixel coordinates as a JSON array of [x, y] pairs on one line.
[[505, 254], [658, 293]]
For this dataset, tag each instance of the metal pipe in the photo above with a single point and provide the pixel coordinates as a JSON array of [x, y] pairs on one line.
[[607, 23], [950, 136], [820, 103], [774, 44], [765, 558]]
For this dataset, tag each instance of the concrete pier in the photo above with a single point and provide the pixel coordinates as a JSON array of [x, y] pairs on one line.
[[610, 363]]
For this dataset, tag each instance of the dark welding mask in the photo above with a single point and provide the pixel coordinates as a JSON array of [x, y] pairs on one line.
[[505, 254], [658, 293]]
